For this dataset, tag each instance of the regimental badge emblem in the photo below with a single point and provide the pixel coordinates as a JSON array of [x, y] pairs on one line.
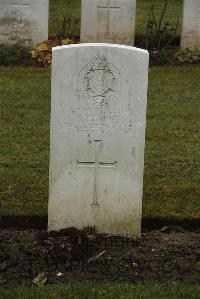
[[99, 81]]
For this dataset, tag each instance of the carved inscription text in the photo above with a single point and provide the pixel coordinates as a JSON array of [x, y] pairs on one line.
[[100, 109]]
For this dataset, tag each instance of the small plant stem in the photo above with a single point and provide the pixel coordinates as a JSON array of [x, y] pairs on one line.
[[162, 16]]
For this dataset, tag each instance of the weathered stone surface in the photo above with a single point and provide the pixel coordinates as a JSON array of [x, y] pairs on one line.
[[191, 25], [24, 21], [110, 21], [99, 94]]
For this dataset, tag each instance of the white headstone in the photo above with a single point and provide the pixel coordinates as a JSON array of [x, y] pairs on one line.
[[109, 21], [191, 25], [98, 116], [24, 21]]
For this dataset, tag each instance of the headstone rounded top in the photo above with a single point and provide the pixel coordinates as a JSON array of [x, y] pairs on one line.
[[101, 45]]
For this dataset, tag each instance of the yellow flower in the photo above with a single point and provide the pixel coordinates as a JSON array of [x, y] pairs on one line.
[[43, 47], [48, 58], [34, 54], [65, 41]]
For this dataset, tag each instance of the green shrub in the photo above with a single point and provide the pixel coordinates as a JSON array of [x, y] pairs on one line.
[[188, 56], [65, 27], [15, 54], [161, 34]]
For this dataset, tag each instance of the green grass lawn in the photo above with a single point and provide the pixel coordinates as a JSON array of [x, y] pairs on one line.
[[105, 291], [61, 8], [172, 164]]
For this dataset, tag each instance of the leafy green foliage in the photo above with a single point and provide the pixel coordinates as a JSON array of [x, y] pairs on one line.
[[188, 56], [15, 54], [160, 33], [67, 26], [173, 12]]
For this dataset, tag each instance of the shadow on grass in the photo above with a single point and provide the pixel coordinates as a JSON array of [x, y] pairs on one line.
[[148, 223]]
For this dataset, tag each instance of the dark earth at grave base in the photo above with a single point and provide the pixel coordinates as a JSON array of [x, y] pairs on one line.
[[167, 255]]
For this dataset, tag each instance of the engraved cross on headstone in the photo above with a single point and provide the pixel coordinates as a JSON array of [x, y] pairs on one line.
[[96, 164], [108, 8]]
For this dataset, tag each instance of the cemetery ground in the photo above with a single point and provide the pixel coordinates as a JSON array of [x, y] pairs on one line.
[[167, 253]]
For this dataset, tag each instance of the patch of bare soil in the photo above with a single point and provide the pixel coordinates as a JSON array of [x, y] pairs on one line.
[[167, 255]]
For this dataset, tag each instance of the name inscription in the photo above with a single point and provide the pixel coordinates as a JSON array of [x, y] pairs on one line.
[[104, 121], [100, 110]]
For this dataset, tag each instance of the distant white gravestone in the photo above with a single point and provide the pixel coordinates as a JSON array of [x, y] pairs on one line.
[[110, 21], [99, 97], [191, 25], [24, 21]]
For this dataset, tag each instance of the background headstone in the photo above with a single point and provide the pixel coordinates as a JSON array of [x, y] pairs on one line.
[[110, 21], [99, 95], [191, 25], [24, 21]]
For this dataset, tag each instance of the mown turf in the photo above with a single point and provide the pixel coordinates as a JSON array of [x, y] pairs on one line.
[[25, 112], [105, 291], [61, 8], [172, 164]]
